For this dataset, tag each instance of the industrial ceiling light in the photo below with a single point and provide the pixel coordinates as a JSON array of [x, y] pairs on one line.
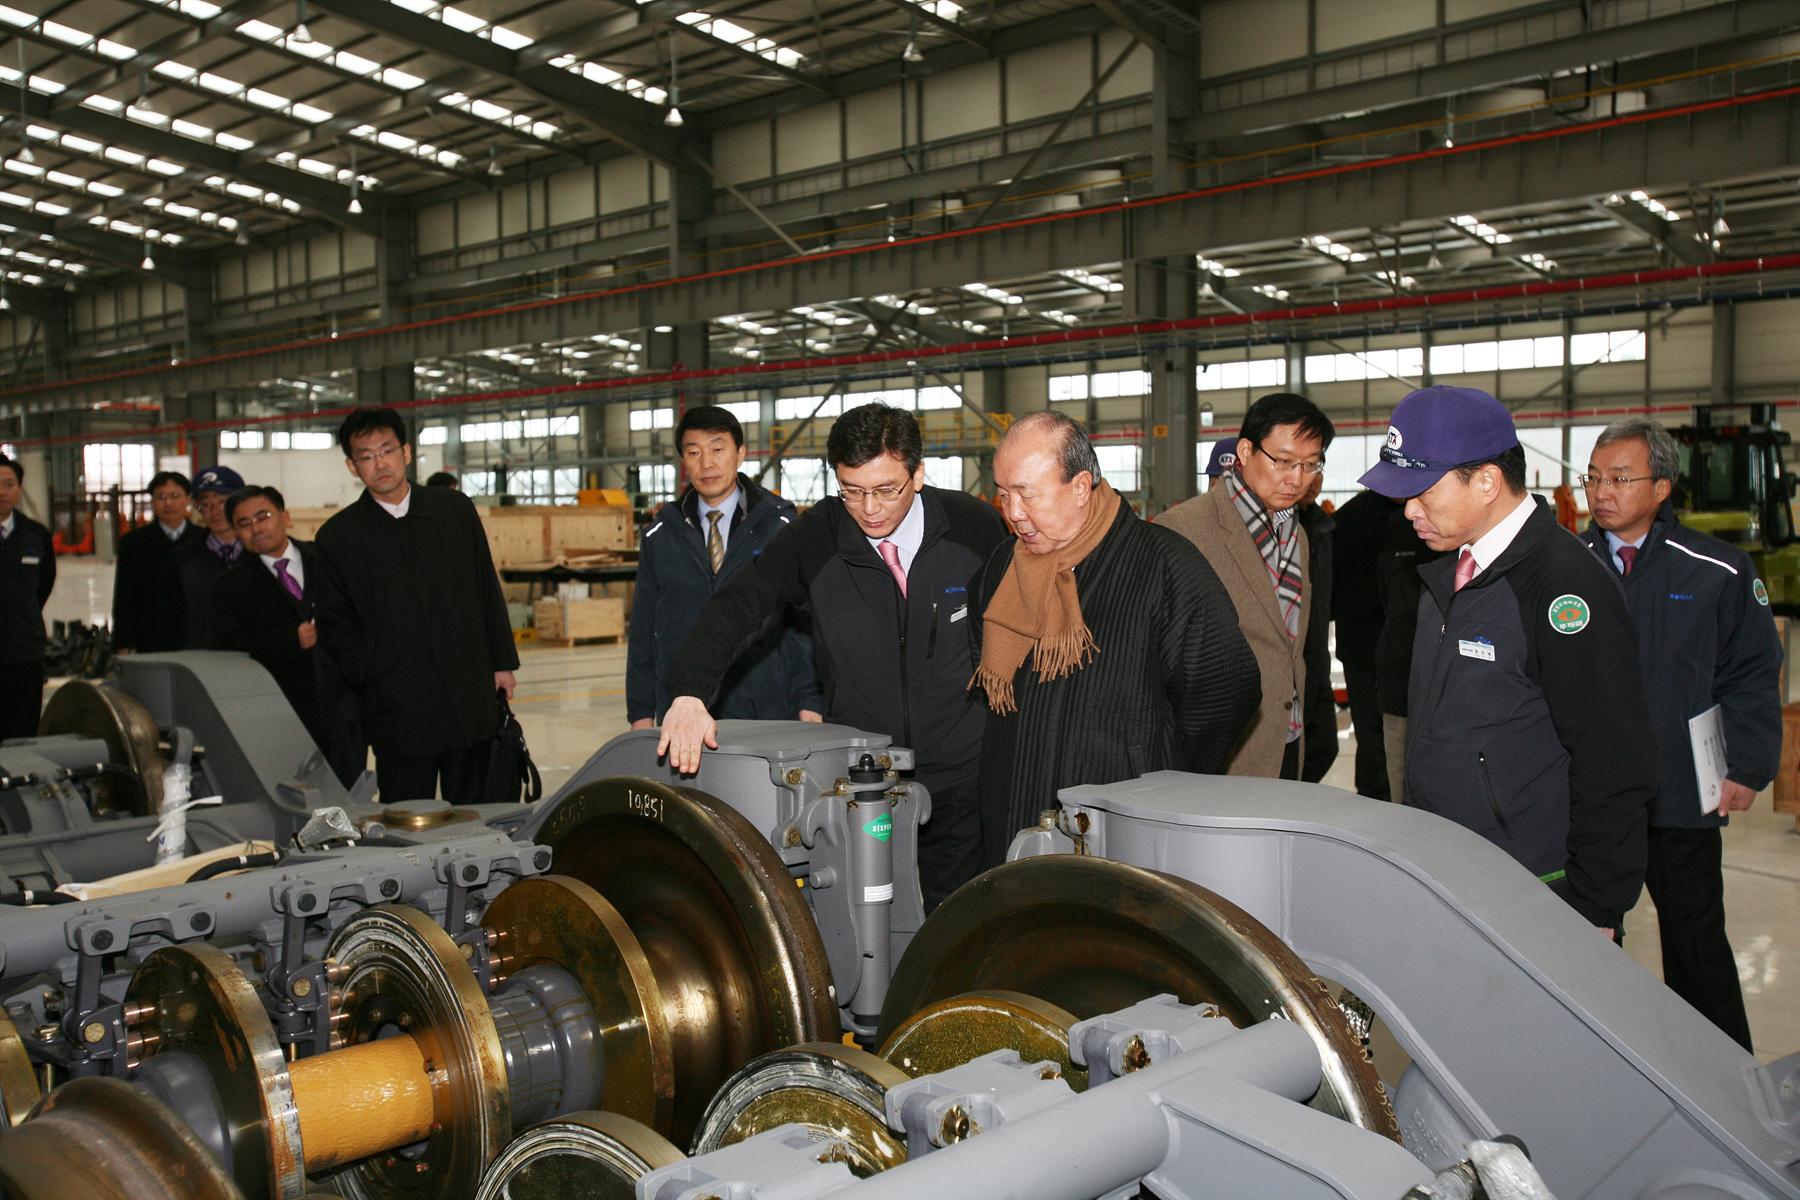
[[301, 33], [144, 103], [911, 54], [1719, 227], [26, 153], [673, 117], [493, 167], [355, 200], [149, 263], [242, 238]]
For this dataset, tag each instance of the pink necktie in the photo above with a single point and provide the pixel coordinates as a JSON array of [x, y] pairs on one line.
[[890, 554], [287, 581], [1465, 569]]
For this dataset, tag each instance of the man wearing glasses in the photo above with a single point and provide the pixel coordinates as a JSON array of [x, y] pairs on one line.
[[410, 610], [884, 569], [1245, 525], [1526, 721], [1705, 638], [264, 608]]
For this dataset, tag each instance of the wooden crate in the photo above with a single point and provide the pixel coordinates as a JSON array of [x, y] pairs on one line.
[[533, 534], [304, 522], [1787, 777], [563, 622]]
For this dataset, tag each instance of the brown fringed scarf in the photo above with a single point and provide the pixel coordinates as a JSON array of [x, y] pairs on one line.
[[1036, 611]]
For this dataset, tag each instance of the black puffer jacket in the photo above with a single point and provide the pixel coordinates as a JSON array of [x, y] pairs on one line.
[[1705, 637], [888, 664], [1527, 721]]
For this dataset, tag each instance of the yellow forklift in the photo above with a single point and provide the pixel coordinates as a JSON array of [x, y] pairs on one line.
[[1735, 486]]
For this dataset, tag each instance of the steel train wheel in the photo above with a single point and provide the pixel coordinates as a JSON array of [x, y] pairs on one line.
[[1092, 935], [102, 1139], [737, 959]]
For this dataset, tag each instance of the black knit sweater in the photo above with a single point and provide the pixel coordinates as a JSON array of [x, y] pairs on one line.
[[1171, 688]]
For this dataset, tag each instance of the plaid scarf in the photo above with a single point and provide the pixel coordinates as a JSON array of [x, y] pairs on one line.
[[1277, 539]]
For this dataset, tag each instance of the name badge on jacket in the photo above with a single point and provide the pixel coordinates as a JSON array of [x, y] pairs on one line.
[[1480, 648]]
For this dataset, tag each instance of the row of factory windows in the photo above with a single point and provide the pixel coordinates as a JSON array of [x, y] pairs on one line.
[[1403, 362]]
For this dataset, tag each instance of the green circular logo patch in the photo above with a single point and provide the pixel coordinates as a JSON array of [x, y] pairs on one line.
[[1762, 593], [1568, 614]]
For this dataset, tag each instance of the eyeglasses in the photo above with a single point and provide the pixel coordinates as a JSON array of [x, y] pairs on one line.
[[254, 519], [369, 458], [887, 493], [1590, 482], [1289, 466]]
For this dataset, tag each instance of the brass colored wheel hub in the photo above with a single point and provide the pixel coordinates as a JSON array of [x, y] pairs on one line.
[[961, 1029], [559, 920], [737, 959], [591, 1155], [834, 1091], [1092, 935], [198, 1001]]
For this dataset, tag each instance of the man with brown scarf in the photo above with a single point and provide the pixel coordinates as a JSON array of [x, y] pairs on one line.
[[1108, 647]]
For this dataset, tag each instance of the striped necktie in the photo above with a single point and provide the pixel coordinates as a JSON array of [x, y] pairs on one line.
[[715, 541]]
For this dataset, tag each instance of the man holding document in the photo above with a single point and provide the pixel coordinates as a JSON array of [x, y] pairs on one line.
[[1712, 665]]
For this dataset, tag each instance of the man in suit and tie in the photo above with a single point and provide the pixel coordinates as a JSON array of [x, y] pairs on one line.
[[1247, 528], [263, 607]]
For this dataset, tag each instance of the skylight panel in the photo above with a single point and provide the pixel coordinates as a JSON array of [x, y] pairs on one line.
[[500, 35], [180, 72], [102, 103], [129, 157], [116, 51], [13, 16], [193, 130], [730, 31], [265, 99], [404, 80], [66, 34], [262, 31], [1482, 230], [146, 116], [163, 166], [30, 170], [311, 112]]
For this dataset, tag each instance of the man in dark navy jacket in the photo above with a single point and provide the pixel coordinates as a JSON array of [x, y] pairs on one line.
[[1527, 721], [27, 573], [1705, 638], [147, 610], [717, 527], [884, 570]]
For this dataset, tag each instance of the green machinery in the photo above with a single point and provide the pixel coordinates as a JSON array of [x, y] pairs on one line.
[[1734, 485]]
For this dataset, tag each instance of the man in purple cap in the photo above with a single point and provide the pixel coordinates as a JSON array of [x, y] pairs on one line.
[[1527, 718], [199, 565]]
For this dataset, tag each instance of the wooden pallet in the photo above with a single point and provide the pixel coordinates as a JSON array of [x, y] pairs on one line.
[[611, 639]]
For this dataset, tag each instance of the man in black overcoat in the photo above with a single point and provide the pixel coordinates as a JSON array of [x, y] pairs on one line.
[[1109, 649], [148, 615], [264, 604], [27, 573], [410, 610]]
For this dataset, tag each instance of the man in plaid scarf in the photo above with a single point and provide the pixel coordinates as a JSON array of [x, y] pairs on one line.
[[1245, 527]]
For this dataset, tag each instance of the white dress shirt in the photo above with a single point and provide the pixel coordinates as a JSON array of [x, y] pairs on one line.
[[296, 567], [1492, 544], [909, 535], [396, 510], [1614, 541]]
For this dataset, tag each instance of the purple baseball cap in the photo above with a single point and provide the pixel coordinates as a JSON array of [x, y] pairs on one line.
[[223, 480], [1432, 432], [1224, 454]]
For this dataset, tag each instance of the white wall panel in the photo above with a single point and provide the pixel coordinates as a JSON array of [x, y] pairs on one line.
[[1236, 35], [1046, 80], [808, 139], [1681, 355], [520, 210], [1132, 79], [571, 197], [624, 183], [259, 271], [872, 122], [963, 101], [477, 219], [323, 257], [1466, 10], [1342, 25], [740, 153], [436, 228], [359, 251], [1767, 351]]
